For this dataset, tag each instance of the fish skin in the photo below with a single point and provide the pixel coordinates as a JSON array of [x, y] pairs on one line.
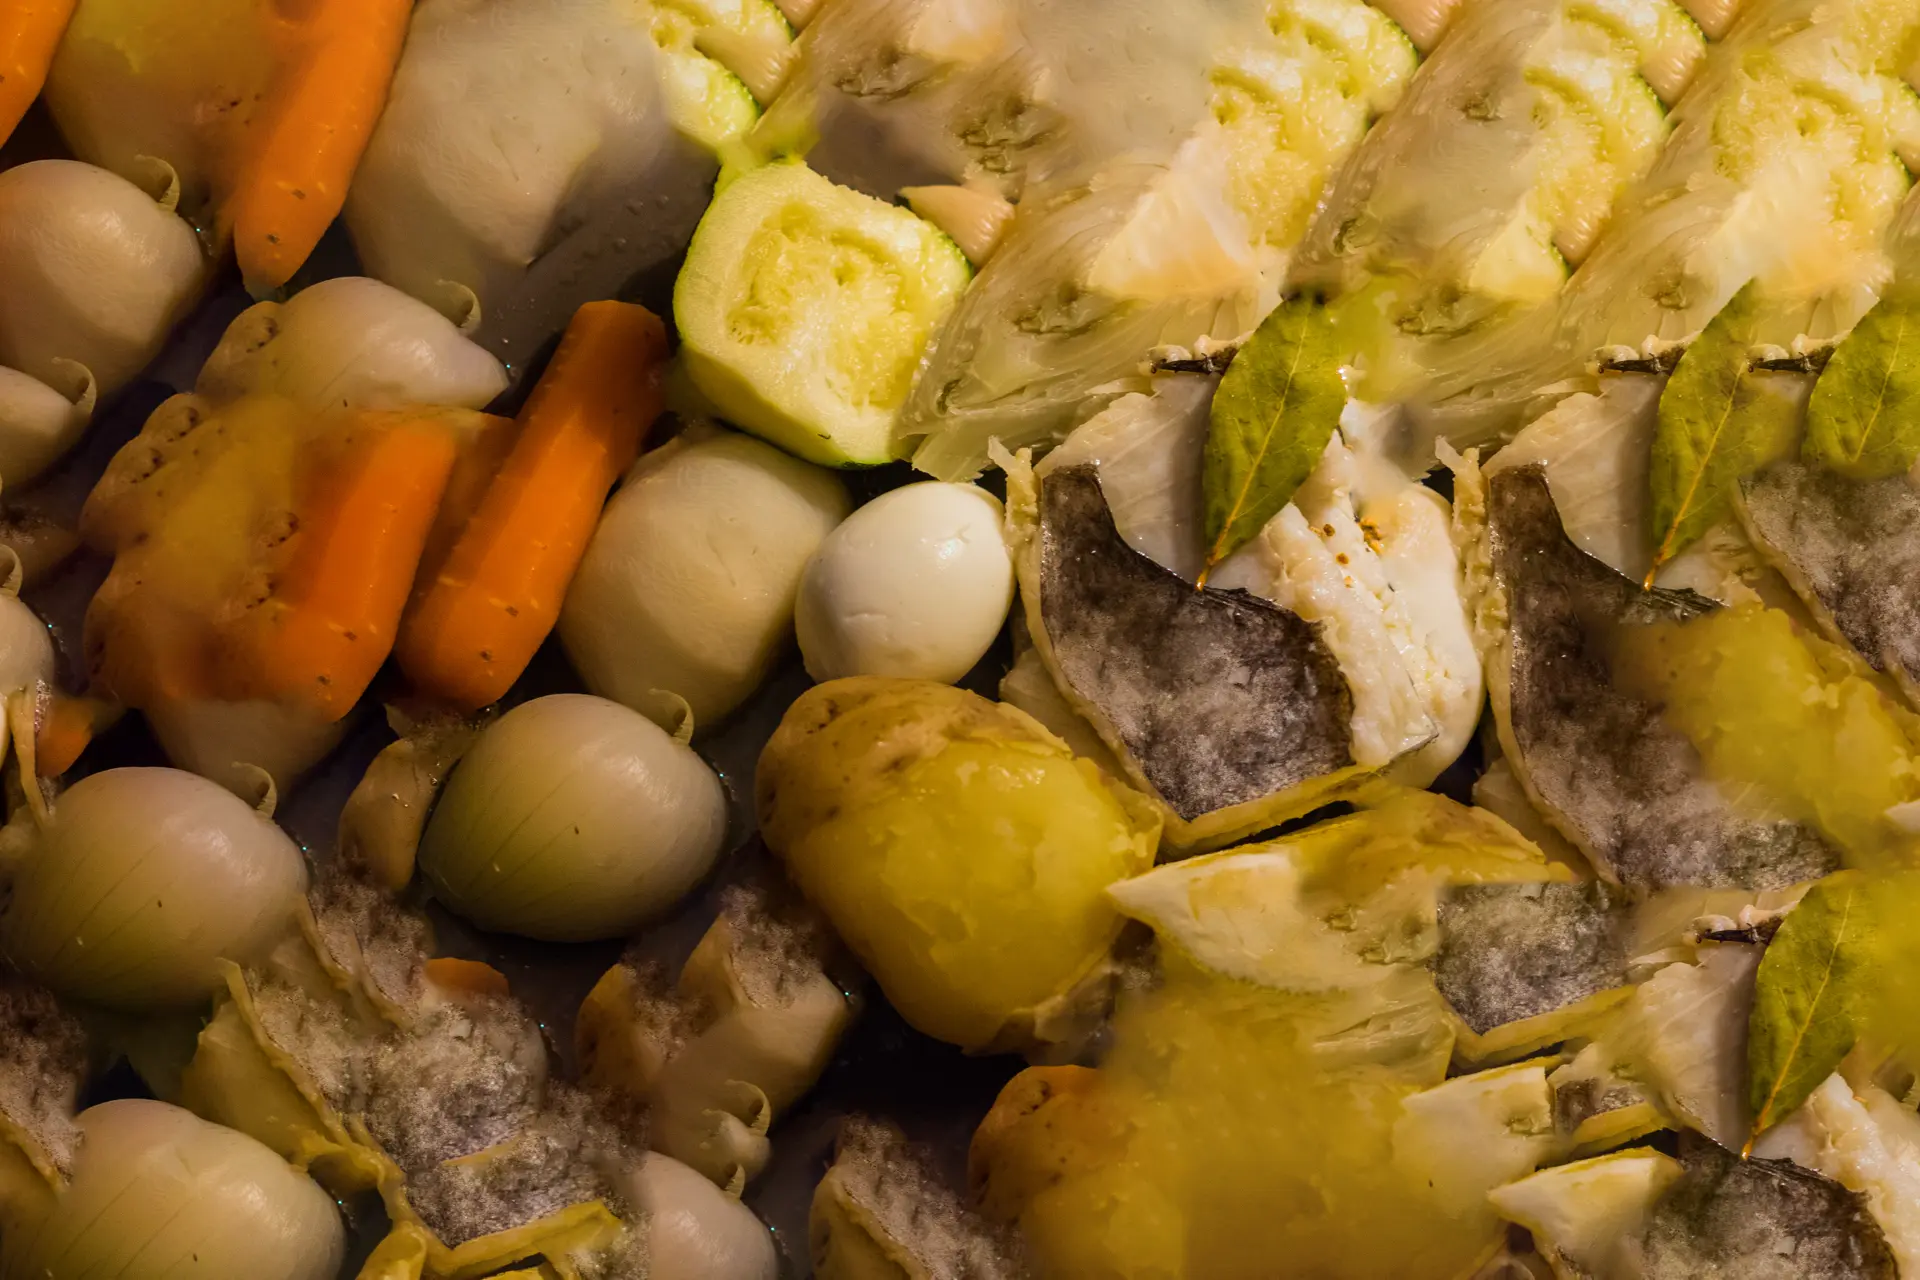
[[1220, 697], [1629, 789], [1759, 1220], [1851, 551]]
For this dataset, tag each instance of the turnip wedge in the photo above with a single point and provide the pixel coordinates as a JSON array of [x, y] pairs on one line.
[[531, 157], [1631, 791]]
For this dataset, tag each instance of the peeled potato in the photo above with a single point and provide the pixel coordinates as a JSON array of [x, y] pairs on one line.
[[960, 850]]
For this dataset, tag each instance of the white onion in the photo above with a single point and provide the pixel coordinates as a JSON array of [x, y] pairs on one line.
[[139, 884], [572, 818], [92, 270], [916, 584], [26, 647], [696, 1231], [228, 741], [38, 423], [352, 342], [160, 1194], [688, 585]]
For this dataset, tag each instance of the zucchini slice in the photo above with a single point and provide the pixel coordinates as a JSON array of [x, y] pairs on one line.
[[803, 307]]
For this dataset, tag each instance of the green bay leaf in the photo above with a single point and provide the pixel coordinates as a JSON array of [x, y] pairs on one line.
[[1275, 411], [1718, 421], [1863, 421], [1807, 997]]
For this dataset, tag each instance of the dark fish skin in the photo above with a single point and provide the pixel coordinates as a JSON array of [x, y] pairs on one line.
[[1731, 1219], [1630, 790], [1851, 549], [1220, 697], [1514, 951], [1581, 1100]]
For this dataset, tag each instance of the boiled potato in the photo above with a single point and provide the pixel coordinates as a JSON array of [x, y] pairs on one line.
[[960, 850]]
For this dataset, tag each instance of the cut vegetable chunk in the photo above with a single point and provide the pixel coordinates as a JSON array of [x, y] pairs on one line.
[[1475, 1132], [959, 849], [260, 551], [1583, 1216], [477, 619], [301, 150], [527, 161], [804, 306], [263, 111], [30, 31]]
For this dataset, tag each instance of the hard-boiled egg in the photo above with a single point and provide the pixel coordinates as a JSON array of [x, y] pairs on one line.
[[916, 583]]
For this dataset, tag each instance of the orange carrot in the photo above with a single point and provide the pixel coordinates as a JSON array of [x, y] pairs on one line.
[[265, 554], [304, 146], [476, 620], [30, 31], [67, 726], [456, 974], [485, 442], [330, 623]]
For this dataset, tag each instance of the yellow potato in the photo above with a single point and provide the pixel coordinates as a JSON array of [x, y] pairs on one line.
[[959, 849]]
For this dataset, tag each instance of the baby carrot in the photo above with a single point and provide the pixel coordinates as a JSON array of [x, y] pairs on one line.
[[322, 635], [477, 619], [470, 976], [30, 31], [302, 150], [66, 727]]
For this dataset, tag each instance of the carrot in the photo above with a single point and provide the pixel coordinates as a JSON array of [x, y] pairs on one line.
[[67, 727], [471, 976], [263, 554], [301, 151], [477, 619], [30, 31], [485, 442], [331, 620]]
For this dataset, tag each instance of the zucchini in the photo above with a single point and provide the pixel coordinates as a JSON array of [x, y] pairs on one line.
[[803, 307]]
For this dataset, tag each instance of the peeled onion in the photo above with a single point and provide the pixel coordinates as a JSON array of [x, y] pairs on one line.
[[572, 818], [352, 342], [229, 741], [39, 423], [696, 1231], [160, 1194], [139, 883], [26, 647], [92, 270], [688, 585]]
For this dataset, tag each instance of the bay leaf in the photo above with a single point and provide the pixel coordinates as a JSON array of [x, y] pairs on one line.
[[1718, 421], [1806, 997], [1863, 421], [1275, 411]]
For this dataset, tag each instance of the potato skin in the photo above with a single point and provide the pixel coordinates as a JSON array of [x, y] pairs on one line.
[[1049, 1124], [958, 848]]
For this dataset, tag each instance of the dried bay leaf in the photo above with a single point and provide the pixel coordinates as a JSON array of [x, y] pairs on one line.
[[1272, 417], [1805, 1001], [1863, 421], [1719, 420]]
